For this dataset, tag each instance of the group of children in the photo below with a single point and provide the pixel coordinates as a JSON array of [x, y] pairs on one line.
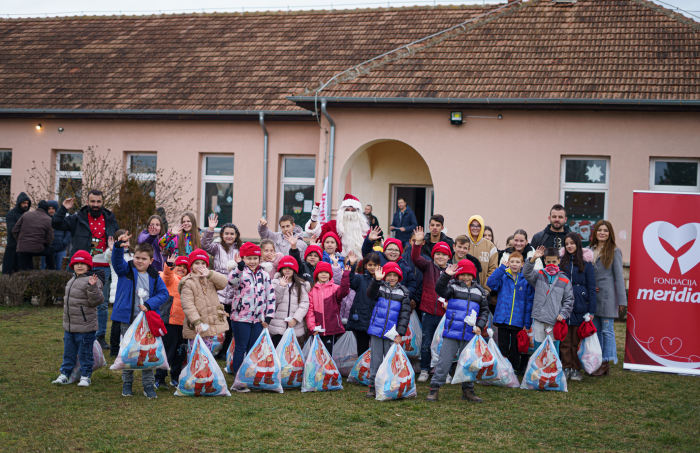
[[285, 283]]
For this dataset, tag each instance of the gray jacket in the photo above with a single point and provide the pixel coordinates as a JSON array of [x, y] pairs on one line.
[[281, 244], [550, 300], [611, 287], [80, 304]]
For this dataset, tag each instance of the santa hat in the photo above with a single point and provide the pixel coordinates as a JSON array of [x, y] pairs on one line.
[[441, 247], [250, 249], [183, 261], [523, 342], [155, 324], [198, 254], [392, 267], [465, 267], [351, 201], [560, 330], [312, 248], [322, 267], [81, 256], [290, 262], [586, 329], [331, 234], [394, 241]]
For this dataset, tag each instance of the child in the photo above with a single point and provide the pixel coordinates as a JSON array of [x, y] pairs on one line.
[[182, 239], [392, 309], [462, 247], [83, 295], [362, 306], [253, 301], [392, 253], [291, 300], [176, 268], [332, 248], [269, 258], [464, 296], [138, 274], [289, 228], [432, 309], [115, 332], [312, 256], [152, 235], [200, 303], [554, 298], [324, 304], [513, 309]]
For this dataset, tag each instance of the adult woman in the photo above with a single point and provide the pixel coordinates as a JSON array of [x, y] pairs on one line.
[[577, 264], [152, 235], [610, 282], [183, 239]]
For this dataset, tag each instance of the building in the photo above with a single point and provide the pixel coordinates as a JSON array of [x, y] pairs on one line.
[[573, 102]]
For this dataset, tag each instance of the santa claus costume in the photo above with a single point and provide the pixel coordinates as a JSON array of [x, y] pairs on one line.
[[350, 226]]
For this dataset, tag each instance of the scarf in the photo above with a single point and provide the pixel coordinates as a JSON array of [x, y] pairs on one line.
[[551, 269]]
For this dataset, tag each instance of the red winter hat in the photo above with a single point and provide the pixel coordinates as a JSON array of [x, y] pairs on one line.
[[586, 329], [392, 267], [322, 267], [155, 324], [523, 342], [560, 330], [198, 254], [183, 261], [250, 249], [82, 257], [441, 247], [288, 261], [394, 241], [313, 248], [331, 234], [466, 267]]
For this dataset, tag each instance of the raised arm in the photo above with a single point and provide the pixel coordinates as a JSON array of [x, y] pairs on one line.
[[495, 280], [208, 243]]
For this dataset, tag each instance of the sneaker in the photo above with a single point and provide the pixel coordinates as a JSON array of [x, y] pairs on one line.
[[371, 392], [173, 383], [243, 390], [84, 381], [62, 379], [126, 390], [448, 379], [576, 375], [160, 385], [469, 395], [423, 376], [567, 373], [150, 392], [103, 343], [433, 395]]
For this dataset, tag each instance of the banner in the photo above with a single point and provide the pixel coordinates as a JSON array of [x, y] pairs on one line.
[[323, 214], [664, 297]]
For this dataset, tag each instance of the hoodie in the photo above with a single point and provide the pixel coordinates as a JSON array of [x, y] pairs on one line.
[[549, 238], [484, 251], [33, 231], [13, 216]]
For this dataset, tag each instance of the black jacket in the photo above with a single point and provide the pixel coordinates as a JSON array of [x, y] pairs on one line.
[[408, 281], [306, 271], [428, 246], [417, 275], [362, 306], [12, 217], [550, 238], [79, 226]]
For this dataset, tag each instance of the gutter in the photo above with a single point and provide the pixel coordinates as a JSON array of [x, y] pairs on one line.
[[265, 160], [156, 114], [329, 197]]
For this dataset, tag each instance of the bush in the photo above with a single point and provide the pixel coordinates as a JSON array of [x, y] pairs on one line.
[[12, 289], [46, 286]]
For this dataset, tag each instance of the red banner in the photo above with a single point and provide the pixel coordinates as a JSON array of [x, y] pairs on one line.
[[663, 322]]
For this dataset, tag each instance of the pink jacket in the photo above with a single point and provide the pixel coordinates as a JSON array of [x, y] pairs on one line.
[[324, 305], [254, 295]]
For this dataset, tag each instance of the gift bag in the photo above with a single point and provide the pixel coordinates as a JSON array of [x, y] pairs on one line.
[[531, 336], [345, 353], [476, 362], [218, 343], [291, 360], [201, 376], [320, 372], [412, 340], [360, 371], [395, 378], [98, 362], [436, 344], [260, 368], [139, 349], [590, 354], [307, 346], [505, 375], [544, 370], [229, 356]]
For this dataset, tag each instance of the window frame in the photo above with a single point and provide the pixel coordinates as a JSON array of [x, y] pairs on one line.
[[585, 186], [141, 176], [284, 180], [659, 188], [213, 179], [61, 174]]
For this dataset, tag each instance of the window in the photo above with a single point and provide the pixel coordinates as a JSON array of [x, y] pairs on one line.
[[298, 183], [217, 188], [584, 193], [69, 175], [143, 167], [6, 203], [675, 175]]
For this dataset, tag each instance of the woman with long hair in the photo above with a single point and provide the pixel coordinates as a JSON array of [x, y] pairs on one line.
[[155, 229], [610, 283], [182, 239]]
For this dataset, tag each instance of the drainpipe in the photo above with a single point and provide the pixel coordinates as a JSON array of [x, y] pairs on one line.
[[329, 198], [262, 124]]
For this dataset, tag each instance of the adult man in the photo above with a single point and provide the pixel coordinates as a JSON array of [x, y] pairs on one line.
[[34, 236], [436, 226], [404, 222], [553, 234], [61, 240], [90, 228], [9, 261], [373, 222], [482, 249], [350, 225]]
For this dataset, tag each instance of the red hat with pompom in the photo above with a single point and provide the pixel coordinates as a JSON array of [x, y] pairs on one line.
[[351, 201]]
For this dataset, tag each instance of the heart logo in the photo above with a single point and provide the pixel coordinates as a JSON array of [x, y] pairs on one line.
[[677, 238], [669, 343]]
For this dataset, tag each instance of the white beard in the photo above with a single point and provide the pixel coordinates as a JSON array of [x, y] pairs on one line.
[[352, 228]]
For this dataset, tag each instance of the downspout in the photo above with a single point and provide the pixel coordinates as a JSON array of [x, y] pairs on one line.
[[329, 198], [262, 124]]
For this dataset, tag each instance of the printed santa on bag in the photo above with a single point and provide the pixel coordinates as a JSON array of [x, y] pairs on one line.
[[395, 377], [544, 371], [476, 362], [139, 349], [229, 356], [413, 339], [218, 343], [201, 376], [360, 371], [505, 374], [260, 368], [320, 371], [291, 359]]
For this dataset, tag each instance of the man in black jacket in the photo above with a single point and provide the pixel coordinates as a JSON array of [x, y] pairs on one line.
[[553, 235], [373, 222], [9, 261], [436, 225], [34, 236]]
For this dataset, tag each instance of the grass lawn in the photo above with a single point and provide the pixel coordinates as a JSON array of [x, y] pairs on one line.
[[625, 412]]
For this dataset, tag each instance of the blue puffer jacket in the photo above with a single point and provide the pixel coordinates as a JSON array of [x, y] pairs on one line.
[[123, 310], [408, 281], [515, 297], [461, 300], [393, 308], [583, 285], [362, 306]]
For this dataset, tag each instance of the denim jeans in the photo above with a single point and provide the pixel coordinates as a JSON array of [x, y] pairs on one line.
[[78, 345], [245, 334], [429, 324], [58, 260], [103, 309], [606, 336]]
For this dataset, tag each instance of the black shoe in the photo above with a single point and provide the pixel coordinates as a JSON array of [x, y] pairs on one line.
[[469, 395], [103, 343], [150, 392], [126, 390], [433, 395], [371, 393]]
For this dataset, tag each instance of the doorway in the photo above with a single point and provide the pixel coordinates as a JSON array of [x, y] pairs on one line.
[[419, 198]]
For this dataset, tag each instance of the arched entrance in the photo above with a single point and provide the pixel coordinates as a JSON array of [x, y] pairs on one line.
[[380, 172]]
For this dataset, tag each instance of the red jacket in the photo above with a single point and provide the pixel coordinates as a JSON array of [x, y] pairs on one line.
[[324, 305], [431, 274]]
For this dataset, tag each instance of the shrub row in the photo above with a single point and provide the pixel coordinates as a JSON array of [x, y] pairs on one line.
[[46, 286]]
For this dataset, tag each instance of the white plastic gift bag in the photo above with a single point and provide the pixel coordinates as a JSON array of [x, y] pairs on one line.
[[229, 356], [412, 340], [345, 353], [476, 362], [544, 370], [436, 344], [320, 371], [139, 349], [260, 368], [360, 371], [395, 377], [97, 362], [505, 375], [202, 375], [590, 354], [291, 360]]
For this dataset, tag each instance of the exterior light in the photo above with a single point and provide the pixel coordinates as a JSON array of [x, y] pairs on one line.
[[456, 118], [60, 130], [38, 127], [500, 117]]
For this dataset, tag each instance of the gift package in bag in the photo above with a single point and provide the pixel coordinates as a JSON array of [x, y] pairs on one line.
[[139, 349], [476, 362], [395, 378], [544, 370], [229, 356], [345, 353], [590, 354], [505, 375], [412, 340], [320, 372], [291, 360], [261, 367], [98, 362], [201, 376], [218, 343], [360, 371]]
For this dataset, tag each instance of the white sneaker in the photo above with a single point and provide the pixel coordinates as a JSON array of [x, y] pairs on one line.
[[448, 379], [423, 376], [62, 379], [243, 390], [84, 381]]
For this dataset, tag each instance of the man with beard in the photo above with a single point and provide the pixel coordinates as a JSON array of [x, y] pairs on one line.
[[351, 225], [90, 228], [553, 235], [9, 261]]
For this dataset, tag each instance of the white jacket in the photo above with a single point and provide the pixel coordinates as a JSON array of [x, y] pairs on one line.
[[114, 277]]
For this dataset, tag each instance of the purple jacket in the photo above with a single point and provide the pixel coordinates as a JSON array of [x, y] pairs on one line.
[[158, 260]]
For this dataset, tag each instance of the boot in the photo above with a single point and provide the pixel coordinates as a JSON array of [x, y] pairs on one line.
[[469, 395], [433, 395], [604, 370], [103, 343], [371, 392]]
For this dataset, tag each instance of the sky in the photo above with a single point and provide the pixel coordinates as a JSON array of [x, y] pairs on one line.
[[39, 8]]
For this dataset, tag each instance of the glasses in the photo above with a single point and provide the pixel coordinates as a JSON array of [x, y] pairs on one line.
[[475, 227]]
